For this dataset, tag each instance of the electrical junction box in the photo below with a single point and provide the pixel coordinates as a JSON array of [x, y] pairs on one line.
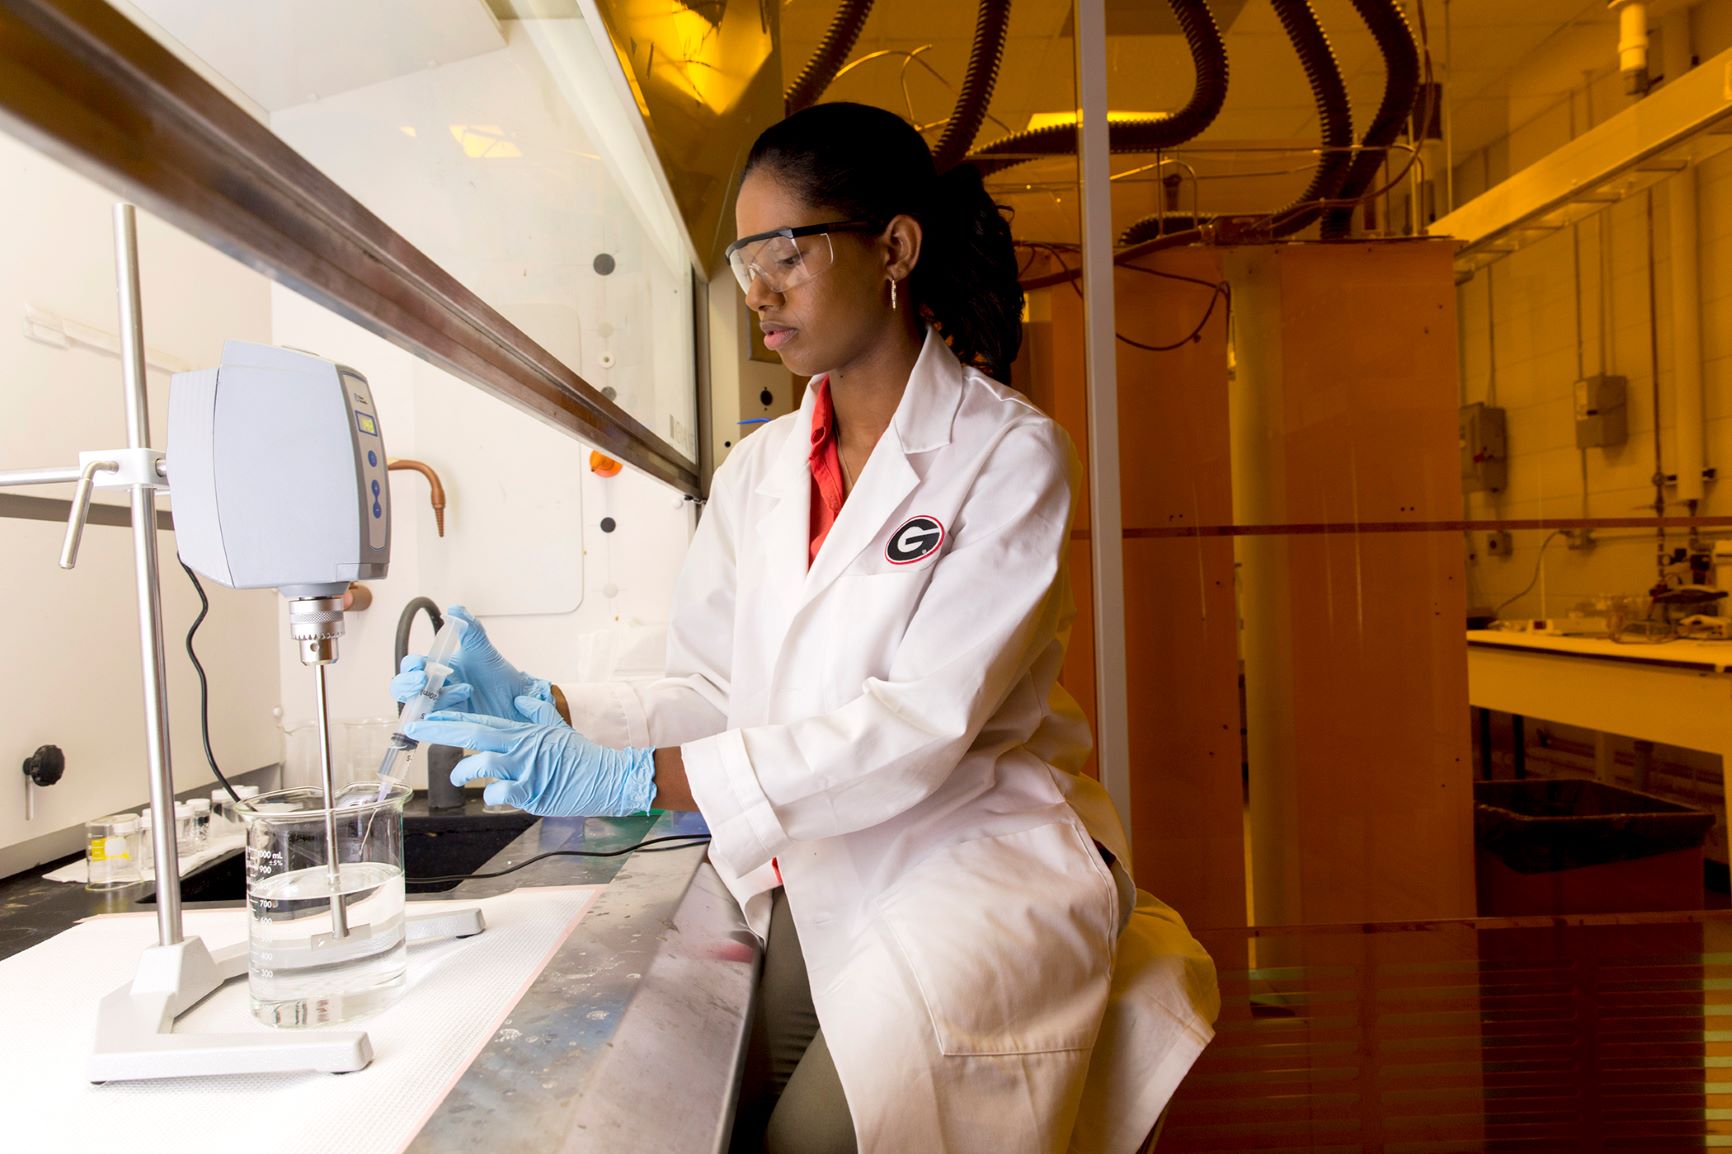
[[1484, 448], [1602, 419]]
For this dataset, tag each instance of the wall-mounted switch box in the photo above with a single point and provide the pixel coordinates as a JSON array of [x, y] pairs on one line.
[[1484, 448], [1602, 415]]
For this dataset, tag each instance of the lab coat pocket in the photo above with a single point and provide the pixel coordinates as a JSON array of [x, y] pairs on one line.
[[867, 614], [1009, 940]]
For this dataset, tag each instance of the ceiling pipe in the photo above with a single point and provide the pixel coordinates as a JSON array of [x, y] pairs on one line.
[[1632, 45], [990, 28], [828, 57], [1151, 134], [1394, 36]]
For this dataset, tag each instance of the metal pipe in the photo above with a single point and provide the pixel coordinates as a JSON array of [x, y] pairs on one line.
[[40, 476], [1660, 551], [436, 488], [131, 325], [1684, 267], [339, 916], [152, 660], [1106, 539], [166, 853], [1633, 45]]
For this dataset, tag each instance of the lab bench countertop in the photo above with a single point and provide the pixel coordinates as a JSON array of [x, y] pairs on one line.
[[664, 945], [1713, 655]]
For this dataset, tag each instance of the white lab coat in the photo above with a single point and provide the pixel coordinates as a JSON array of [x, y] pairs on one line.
[[894, 736]]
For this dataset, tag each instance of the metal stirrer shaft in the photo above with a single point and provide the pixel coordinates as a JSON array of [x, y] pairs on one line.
[[339, 916]]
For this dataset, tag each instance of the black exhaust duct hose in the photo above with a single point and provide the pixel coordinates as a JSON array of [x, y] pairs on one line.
[[1394, 36], [1208, 57], [965, 120], [1334, 113], [1333, 110], [827, 59]]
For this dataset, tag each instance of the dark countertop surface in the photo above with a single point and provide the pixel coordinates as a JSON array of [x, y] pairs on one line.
[[33, 909]]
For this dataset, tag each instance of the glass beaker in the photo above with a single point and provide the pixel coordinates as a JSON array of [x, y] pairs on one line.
[[301, 753], [326, 943], [363, 747]]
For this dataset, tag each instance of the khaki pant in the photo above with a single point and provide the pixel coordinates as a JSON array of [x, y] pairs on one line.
[[791, 1100]]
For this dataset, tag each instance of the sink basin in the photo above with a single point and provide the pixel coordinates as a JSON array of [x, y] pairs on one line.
[[434, 845]]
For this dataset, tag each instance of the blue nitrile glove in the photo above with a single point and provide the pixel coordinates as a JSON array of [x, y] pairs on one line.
[[541, 764], [481, 680]]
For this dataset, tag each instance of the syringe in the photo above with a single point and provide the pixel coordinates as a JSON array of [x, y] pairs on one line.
[[444, 645]]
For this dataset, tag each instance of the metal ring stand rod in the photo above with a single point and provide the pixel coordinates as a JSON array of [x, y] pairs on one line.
[[152, 661]]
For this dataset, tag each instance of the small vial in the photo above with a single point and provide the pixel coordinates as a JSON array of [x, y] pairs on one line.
[[183, 828], [200, 811], [222, 821], [111, 847]]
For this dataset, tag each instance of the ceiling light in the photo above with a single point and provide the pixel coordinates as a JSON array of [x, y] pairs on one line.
[[1068, 119]]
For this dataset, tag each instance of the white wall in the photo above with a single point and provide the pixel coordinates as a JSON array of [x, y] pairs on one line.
[[72, 675], [1532, 300]]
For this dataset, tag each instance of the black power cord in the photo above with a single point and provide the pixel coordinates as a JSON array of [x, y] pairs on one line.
[[686, 840], [1219, 292], [203, 682]]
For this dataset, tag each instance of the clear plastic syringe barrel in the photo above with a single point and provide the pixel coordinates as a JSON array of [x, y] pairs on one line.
[[445, 644]]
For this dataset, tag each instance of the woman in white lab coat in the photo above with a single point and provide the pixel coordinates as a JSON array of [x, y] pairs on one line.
[[861, 698]]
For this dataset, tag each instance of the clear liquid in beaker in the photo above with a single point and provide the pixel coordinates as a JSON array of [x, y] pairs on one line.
[[304, 975]]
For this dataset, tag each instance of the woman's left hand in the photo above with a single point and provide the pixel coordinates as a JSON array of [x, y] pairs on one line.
[[541, 765]]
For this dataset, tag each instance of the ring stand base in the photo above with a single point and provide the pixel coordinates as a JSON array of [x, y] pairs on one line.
[[136, 1039]]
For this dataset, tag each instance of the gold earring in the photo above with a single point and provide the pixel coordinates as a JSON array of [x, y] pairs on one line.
[[892, 292]]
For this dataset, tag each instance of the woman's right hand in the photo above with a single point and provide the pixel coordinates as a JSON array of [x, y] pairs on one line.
[[481, 679]]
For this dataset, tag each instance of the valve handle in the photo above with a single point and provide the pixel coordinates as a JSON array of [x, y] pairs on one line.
[[46, 765]]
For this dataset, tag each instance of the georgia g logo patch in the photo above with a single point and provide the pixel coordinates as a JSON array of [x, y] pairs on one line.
[[914, 539]]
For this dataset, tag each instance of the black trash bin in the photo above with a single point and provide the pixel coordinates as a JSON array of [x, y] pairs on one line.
[[1567, 846]]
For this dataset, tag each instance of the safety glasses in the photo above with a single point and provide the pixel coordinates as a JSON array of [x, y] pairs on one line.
[[785, 257]]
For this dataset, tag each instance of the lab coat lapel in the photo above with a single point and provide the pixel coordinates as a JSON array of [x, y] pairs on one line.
[[784, 532], [922, 423]]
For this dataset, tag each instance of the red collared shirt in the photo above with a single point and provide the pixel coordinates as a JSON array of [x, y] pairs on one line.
[[826, 460]]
